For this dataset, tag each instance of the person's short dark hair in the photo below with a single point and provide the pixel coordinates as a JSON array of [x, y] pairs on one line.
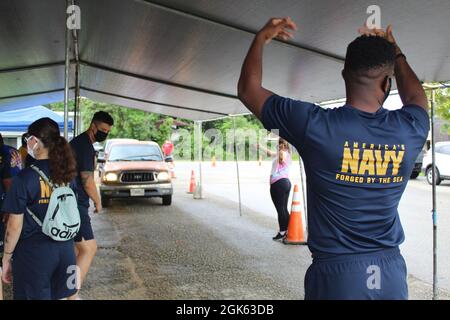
[[366, 53], [102, 116]]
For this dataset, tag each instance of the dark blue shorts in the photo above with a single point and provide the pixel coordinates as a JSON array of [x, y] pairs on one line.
[[2, 233], [381, 275], [43, 269], [86, 233], [2, 227]]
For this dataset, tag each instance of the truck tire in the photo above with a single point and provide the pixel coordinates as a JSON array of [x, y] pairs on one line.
[[167, 200]]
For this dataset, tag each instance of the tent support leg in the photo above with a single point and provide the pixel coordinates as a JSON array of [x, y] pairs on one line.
[[66, 78], [237, 167], [76, 119], [303, 183], [76, 109], [433, 155], [199, 140]]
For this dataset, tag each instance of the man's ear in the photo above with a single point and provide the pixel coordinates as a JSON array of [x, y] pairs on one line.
[[386, 84]]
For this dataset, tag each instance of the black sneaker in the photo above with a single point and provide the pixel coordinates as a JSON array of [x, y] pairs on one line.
[[279, 236]]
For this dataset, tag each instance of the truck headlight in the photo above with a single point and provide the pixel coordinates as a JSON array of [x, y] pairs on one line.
[[111, 177], [163, 176]]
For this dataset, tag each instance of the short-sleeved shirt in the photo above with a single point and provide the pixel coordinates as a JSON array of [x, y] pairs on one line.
[[10, 165], [85, 156], [28, 190], [357, 166]]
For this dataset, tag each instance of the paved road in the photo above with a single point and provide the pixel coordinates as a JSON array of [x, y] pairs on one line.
[[203, 249]]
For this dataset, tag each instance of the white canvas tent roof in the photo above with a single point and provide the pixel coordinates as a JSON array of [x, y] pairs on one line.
[[183, 58]]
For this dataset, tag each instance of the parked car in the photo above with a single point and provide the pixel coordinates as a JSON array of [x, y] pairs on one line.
[[135, 169], [417, 165], [442, 163]]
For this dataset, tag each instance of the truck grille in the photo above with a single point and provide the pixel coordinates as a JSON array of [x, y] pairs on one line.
[[137, 177]]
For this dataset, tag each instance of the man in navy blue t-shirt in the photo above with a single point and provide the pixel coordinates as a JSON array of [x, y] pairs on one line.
[[85, 243], [358, 159]]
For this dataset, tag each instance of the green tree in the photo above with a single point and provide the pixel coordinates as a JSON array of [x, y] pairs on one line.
[[128, 122], [142, 125], [443, 107]]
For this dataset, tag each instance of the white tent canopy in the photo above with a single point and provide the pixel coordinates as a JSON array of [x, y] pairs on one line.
[[183, 58]]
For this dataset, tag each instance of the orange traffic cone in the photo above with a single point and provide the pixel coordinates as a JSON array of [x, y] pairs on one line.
[[296, 230], [192, 183], [213, 161]]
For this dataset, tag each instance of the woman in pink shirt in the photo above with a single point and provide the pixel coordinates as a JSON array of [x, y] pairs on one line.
[[280, 185]]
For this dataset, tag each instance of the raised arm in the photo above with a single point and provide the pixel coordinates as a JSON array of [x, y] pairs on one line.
[[409, 87], [267, 151], [250, 89]]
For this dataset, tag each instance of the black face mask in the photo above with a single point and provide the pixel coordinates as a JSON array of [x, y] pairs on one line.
[[386, 95], [100, 136]]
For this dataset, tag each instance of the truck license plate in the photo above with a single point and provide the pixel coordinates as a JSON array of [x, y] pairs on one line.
[[137, 192]]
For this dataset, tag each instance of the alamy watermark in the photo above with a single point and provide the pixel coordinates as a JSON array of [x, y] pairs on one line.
[[74, 17], [374, 280], [374, 20], [74, 279]]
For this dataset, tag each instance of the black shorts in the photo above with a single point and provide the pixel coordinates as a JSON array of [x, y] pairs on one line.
[[86, 233]]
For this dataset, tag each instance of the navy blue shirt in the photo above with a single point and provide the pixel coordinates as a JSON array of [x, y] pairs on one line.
[[85, 156], [28, 190], [357, 166], [10, 165]]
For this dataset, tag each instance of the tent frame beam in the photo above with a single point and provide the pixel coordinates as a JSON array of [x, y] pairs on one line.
[[22, 95], [156, 80], [150, 102], [33, 67]]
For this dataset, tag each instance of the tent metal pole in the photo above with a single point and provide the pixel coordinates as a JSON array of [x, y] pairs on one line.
[[77, 101], [199, 137], [237, 166], [433, 163], [66, 76], [303, 183], [77, 80]]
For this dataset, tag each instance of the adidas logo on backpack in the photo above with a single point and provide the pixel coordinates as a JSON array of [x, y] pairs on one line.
[[62, 219]]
